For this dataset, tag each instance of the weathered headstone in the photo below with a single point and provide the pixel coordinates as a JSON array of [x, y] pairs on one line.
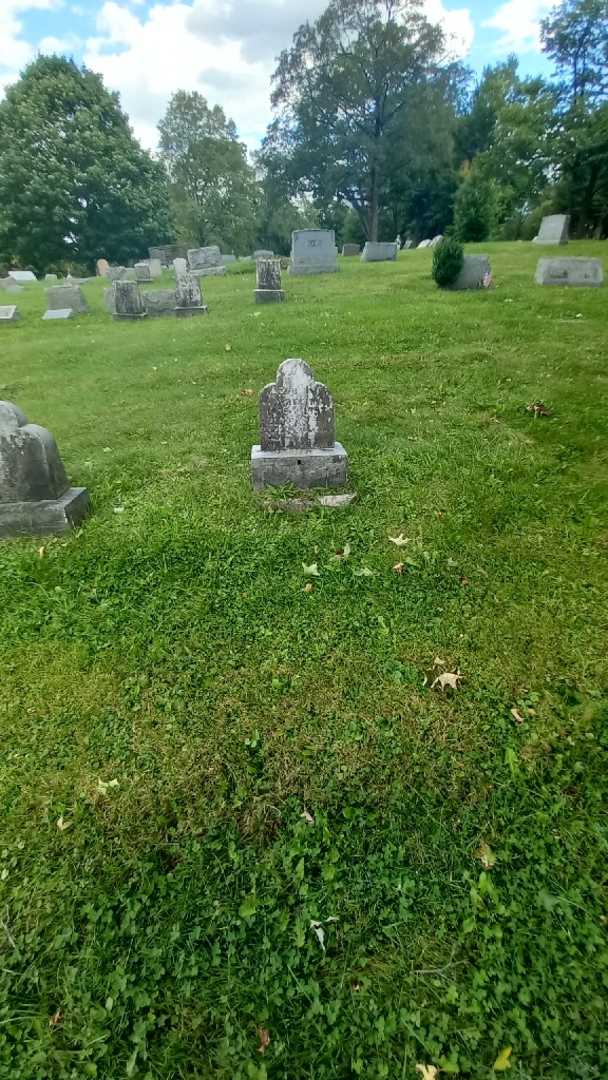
[[188, 296], [9, 313], [35, 494], [116, 273], [476, 273], [50, 277], [20, 276], [436, 240], [228, 259], [349, 250], [379, 252], [166, 253], [268, 282], [159, 302], [424, 244], [59, 297], [408, 244], [101, 267], [261, 253], [206, 261], [155, 268], [108, 299], [180, 266], [128, 301], [142, 271], [570, 271], [57, 313], [553, 229], [298, 433], [313, 251]]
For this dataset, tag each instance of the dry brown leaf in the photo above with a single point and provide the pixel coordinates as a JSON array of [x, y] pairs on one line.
[[62, 824], [486, 856], [450, 680], [56, 1018], [438, 662], [264, 1037], [399, 567], [515, 713], [428, 1072], [538, 408], [308, 818], [309, 587], [247, 393]]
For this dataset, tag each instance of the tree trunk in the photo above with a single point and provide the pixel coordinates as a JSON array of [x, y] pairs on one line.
[[372, 210]]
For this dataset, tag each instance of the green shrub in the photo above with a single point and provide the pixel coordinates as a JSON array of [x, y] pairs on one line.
[[448, 258], [475, 209]]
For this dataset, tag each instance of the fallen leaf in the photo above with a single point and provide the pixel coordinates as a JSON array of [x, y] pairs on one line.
[[41, 551], [400, 541], [515, 713], [247, 393], [438, 662], [464, 581], [62, 824], [264, 1037], [312, 570], [399, 567], [56, 1018], [502, 1062], [308, 818], [539, 409], [103, 786], [309, 587], [428, 1072], [486, 856], [317, 927], [449, 680], [228, 348], [342, 553], [363, 572]]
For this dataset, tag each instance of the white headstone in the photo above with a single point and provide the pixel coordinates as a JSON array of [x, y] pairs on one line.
[[8, 313], [21, 275], [313, 251], [379, 252], [553, 229], [57, 313]]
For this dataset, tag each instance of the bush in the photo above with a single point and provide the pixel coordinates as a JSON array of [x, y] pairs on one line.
[[475, 209], [448, 259]]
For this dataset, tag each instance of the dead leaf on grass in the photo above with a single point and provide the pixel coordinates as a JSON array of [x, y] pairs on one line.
[[308, 818], [449, 680], [247, 393], [56, 1018], [309, 587], [486, 856], [428, 1072], [538, 408], [62, 824], [264, 1037], [515, 713], [312, 570], [399, 567], [342, 553], [400, 541]]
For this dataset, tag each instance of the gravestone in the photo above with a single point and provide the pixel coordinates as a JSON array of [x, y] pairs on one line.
[[60, 297], [155, 268], [476, 273], [298, 433], [9, 313], [349, 250], [313, 251], [206, 262], [188, 296], [142, 271], [159, 302], [128, 301], [268, 282], [570, 271], [408, 244], [50, 277], [424, 244], [166, 253], [57, 313], [101, 267], [35, 494], [20, 276], [436, 240], [115, 273], [108, 299], [553, 229], [262, 254], [227, 259], [180, 266], [379, 252]]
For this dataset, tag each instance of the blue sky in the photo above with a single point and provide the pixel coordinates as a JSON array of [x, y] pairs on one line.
[[147, 49]]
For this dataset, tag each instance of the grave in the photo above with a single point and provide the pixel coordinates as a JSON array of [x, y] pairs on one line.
[[476, 273], [142, 271], [424, 244], [57, 313], [262, 254], [9, 313], [155, 268], [35, 494], [436, 240], [159, 302], [227, 259], [188, 296], [313, 251], [50, 277], [60, 297], [553, 230], [268, 282], [128, 301], [180, 266], [101, 267], [166, 253], [19, 276], [206, 262], [379, 252], [298, 433], [408, 244], [570, 271], [350, 250]]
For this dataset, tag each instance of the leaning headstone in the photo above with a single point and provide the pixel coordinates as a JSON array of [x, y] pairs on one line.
[[206, 261], [142, 271], [57, 313], [268, 282], [101, 267], [59, 297], [19, 276], [570, 271], [50, 277], [349, 250], [8, 313], [155, 268], [553, 229], [188, 297], [298, 433], [128, 301], [379, 252], [424, 244], [476, 273], [159, 302], [35, 494], [313, 251]]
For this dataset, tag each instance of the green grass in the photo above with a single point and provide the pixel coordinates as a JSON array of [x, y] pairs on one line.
[[171, 647]]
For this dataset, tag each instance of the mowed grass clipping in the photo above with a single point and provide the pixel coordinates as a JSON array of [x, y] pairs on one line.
[[242, 837]]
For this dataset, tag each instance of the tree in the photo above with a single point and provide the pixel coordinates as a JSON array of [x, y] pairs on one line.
[[74, 183], [343, 87], [575, 35], [475, 208], [213, 189]]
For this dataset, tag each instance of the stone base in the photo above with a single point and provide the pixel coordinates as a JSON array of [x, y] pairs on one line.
[[42, 518], [119, 318], [302, 468], [57, 313], [269, 296], [188, 312]]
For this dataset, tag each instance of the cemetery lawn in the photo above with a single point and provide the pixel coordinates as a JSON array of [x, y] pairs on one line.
[[242, 836]]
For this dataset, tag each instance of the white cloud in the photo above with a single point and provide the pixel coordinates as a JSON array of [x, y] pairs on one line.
[[519, 23], [458, 26], [15, 51]]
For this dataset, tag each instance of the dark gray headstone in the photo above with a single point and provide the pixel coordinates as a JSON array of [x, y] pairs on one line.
[[268, 282], [298, 433], [128, 301], [476, 273], [379, 252], [60, 297], [188, 296], [35, 495], [204, 258], [142, 271], [166, 253], [569, 271], [553, 229], [159, 302]]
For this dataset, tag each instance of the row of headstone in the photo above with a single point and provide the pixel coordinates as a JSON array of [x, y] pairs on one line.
[[126, 301]]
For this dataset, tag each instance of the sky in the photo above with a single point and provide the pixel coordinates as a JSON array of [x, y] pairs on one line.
[[226, 49]]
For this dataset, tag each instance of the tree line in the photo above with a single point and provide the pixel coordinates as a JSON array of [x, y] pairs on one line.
[[375, 131]]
